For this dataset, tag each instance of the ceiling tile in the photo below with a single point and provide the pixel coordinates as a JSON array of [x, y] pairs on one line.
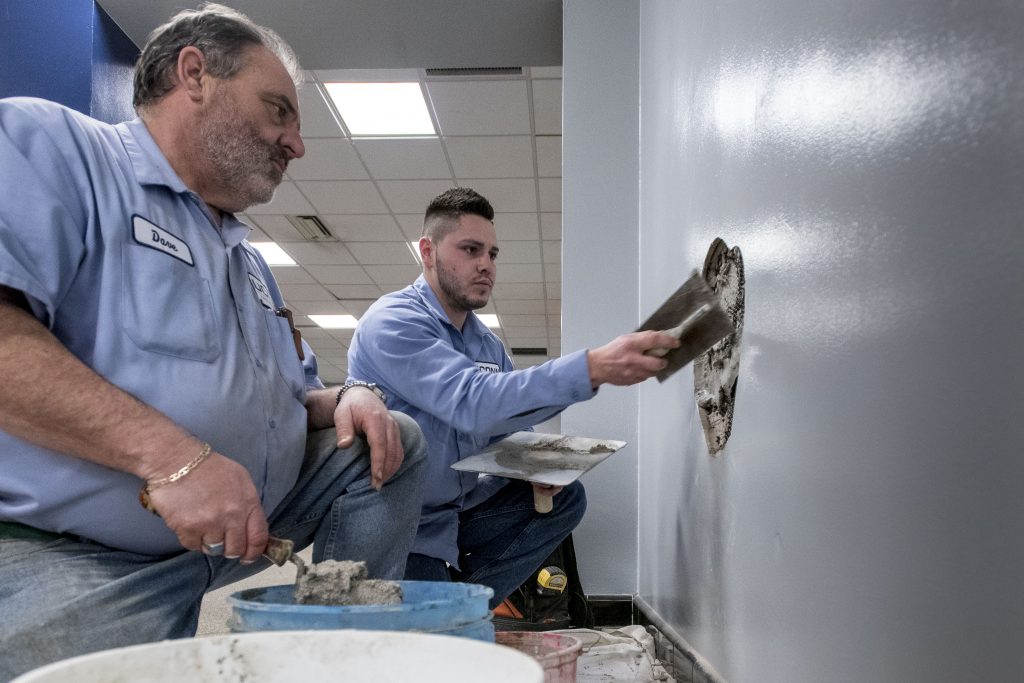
[[520, 290], [340, 275], [292, 275], [518, 252], [404, 158], [343, 196], [327, 159], [549, 156], [506, 194], [554, 307], [403, 275], [411, 224], [512, 321], [551, 226], [516, 226], [316, 118], [383, 253], [323, 307], [306, 293], [357, 307], [554, 292], [545, 72], [287, 200], [277, 228], [521, 307], [552, 251], [530, 341], [318, 253], [481, 107], [552, 272], [520, 273], [374, 227], [491, 157], [349, 292], [550, 194], [412, 196], [547, 107]]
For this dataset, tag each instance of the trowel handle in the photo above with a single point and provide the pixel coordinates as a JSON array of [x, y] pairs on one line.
[[679, 330], [542, 503]]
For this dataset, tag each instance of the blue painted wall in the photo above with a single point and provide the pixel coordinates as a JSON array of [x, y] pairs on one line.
[[68, 51]]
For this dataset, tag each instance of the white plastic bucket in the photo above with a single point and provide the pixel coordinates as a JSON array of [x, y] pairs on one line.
[[288, 656]]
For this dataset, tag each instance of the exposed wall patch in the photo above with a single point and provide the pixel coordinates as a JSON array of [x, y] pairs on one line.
[[716, 371]]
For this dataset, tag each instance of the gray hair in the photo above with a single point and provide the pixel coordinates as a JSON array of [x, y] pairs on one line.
[[221, 33]]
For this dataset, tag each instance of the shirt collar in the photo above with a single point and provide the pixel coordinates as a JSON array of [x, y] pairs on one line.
[[152, 168]]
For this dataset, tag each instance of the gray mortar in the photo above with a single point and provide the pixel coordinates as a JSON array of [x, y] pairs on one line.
[[716, 371], [343, 582]]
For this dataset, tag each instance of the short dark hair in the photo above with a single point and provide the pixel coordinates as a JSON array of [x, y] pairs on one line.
[[221, 33], [442, 215]]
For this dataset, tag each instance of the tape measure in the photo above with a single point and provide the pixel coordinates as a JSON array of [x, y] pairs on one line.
[[551, 580]]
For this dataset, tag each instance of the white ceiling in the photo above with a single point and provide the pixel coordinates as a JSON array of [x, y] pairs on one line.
[[500, 135]]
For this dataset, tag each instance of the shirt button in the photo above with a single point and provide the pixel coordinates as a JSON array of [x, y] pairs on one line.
[[259, 363], [273, 424]]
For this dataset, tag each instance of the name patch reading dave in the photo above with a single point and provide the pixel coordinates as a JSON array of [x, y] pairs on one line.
[[153, 236]]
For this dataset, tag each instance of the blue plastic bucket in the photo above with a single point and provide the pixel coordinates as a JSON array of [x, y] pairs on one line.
[[455, 609]]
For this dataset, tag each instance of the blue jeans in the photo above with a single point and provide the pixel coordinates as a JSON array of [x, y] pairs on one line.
[[68, 596], [503, 540]]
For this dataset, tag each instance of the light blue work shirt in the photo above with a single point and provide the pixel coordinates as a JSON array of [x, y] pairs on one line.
[[462, 390], [127, 268]]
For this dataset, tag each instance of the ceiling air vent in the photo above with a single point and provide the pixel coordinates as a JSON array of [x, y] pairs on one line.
[[529, 351], [312, 228], [478, 71]]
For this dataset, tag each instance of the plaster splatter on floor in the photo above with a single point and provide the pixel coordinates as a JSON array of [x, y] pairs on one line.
[[343, 582]]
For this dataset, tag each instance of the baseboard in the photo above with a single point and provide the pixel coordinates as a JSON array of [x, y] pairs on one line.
[[684, 663]]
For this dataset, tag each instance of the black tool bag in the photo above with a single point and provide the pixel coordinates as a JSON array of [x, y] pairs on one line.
[[544, 610]]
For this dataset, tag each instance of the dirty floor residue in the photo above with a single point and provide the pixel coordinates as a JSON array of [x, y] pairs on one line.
[[343, 582]]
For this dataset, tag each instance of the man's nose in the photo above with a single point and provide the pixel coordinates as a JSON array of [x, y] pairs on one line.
[[292, 142]]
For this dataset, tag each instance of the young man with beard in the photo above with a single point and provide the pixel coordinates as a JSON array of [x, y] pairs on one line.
[[143, 345], [434, 359]]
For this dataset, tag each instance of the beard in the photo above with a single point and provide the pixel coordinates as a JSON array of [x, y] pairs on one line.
[[456, 296], [240, 161]]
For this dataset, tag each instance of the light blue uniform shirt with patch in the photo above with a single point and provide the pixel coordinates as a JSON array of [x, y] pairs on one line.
[[125, 266], [461, 389]]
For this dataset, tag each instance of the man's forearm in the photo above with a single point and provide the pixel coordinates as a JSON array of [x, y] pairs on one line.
[[74, 410], [320, 405]]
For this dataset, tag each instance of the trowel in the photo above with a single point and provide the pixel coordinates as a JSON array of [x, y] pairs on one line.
[[281, 550], [694, 315], [552, 459]]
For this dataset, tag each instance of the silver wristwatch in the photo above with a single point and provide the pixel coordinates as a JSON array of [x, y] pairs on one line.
[[356, 383]]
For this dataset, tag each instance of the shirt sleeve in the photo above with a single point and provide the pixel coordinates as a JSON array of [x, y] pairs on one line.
[[43, 214], [408, 352]]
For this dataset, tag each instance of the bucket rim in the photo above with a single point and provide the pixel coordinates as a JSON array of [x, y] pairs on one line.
[[471, 590]]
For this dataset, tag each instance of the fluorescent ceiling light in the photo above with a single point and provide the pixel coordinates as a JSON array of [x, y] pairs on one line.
[[489, 319], [414, 247], [391, 109], [273, 254], [335, 322]]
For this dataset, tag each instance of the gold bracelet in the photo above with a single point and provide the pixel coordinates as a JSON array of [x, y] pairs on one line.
[[149, 486]]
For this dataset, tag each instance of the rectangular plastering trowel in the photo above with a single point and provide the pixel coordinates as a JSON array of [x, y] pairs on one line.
[[695, 316]]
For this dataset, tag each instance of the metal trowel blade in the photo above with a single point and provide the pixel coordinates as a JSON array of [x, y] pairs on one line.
[[695, 315]]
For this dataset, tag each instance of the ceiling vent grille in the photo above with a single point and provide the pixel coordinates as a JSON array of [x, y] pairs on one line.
[[312, 229], [478, 71], [529, 351]]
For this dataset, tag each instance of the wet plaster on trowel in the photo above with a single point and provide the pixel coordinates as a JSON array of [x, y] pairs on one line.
[[343, 582], [716, 371]]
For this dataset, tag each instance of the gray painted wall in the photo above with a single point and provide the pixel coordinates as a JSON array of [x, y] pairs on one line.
[[865, 521]]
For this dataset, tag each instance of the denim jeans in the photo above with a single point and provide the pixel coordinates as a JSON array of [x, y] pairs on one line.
[[67, 596], [503, 540]]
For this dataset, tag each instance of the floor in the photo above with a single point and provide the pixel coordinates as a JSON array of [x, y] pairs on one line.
[[610, 655]]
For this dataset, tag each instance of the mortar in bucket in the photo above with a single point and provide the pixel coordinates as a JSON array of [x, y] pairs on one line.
[[444, 608], [555, 652], [285, 657]]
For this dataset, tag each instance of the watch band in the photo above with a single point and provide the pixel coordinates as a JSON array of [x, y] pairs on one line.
[[357, 383]]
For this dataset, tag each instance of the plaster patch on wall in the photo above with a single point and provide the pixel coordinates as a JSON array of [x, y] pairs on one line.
[[716, 371]]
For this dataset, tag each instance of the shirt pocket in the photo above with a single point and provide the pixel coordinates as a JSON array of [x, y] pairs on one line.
[[167, 306], [288, 363]]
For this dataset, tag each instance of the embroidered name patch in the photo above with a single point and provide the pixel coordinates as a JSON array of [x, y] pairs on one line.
[[262, 293], [153, 236], [487, 367]]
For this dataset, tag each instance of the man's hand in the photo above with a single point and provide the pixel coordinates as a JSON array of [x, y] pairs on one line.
[[215, 503], [361, 412], [546, 489], [623, 361]]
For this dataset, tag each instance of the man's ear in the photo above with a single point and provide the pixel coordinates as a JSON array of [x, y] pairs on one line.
[[427, 252], [191, 72]]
